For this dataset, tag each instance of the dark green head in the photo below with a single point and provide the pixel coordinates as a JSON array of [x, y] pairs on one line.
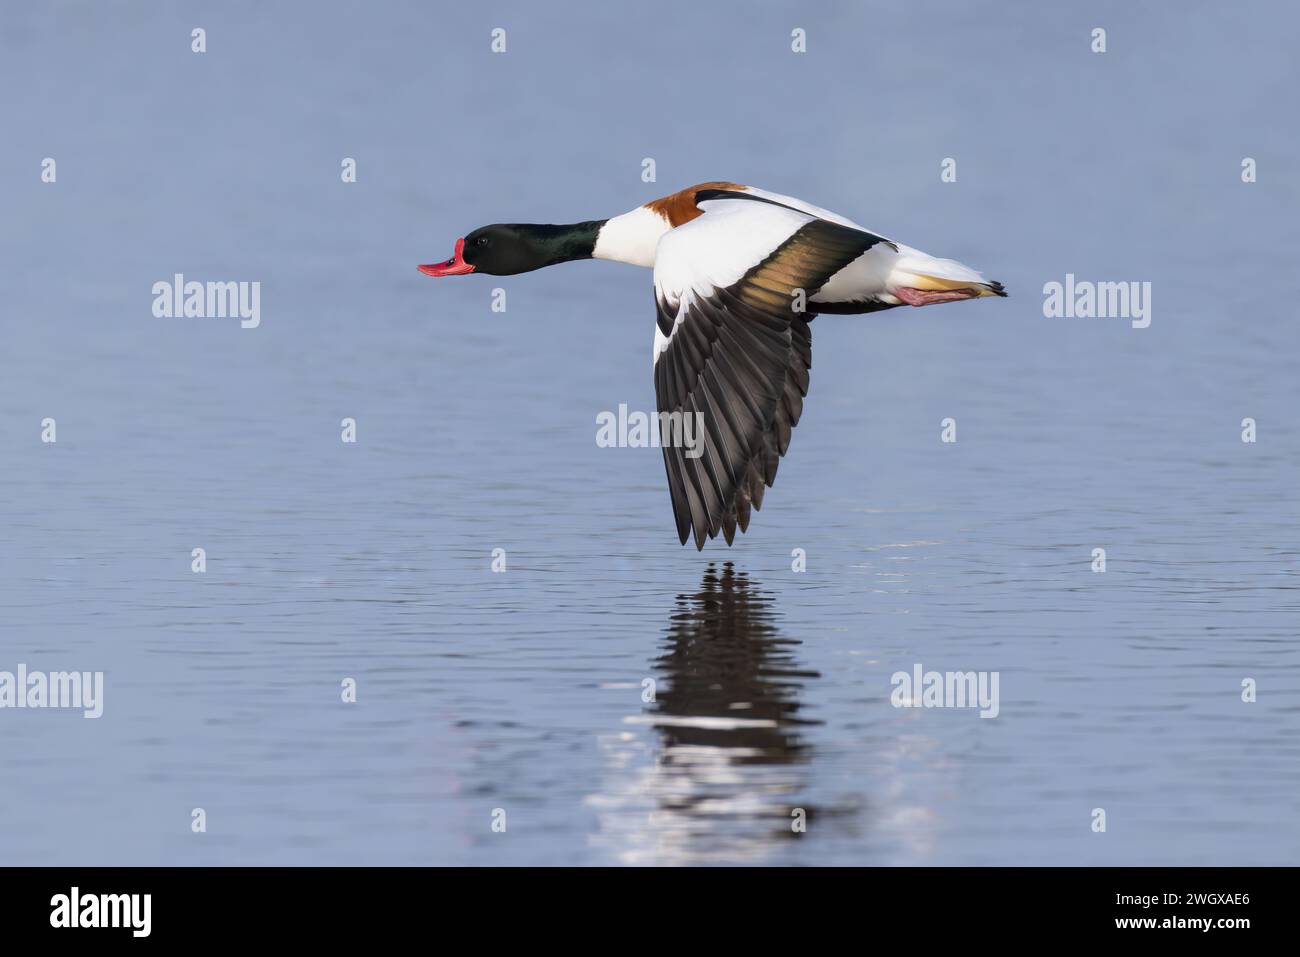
[[506, 249]]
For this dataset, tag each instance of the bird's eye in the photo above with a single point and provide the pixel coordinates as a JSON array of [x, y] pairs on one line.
[[481, 241]]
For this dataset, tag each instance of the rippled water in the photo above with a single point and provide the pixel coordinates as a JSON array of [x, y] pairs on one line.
[[622, 699]]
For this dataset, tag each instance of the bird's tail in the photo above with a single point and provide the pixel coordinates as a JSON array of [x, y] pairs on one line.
[[917, 270]]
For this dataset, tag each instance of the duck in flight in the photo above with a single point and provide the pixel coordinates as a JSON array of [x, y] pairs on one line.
[[739, 273]]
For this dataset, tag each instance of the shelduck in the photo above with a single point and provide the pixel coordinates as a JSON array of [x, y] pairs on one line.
[[739, 273]]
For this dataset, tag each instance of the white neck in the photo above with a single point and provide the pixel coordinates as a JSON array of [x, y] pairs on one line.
[[631, 238]]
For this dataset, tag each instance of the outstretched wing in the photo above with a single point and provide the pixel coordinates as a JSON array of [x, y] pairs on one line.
[[733, 350]]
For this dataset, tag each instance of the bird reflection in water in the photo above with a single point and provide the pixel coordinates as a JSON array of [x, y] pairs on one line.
[[724, 777]]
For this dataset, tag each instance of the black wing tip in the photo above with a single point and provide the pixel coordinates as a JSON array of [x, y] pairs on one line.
[[998, 289], [728, 530], [699, 541]]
